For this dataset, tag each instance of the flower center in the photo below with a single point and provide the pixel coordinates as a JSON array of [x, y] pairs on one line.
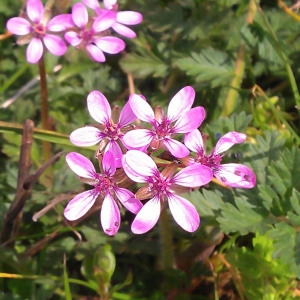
[[87, 35], [159, 185], [212, 161], [112, 131], [39, 29], [104, 184], [163, 129]]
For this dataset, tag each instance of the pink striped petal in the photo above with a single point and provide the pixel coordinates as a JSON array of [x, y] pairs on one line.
[[124, 30], [141, 108], [80, 205], [91, 3], [138, 138], [109, 163], [95, 53], [128, 199], [34, 51], [73, 38], [129, 17], [98, 107], [109, 4], [80, 15], [80, 165], [147, 217], [115, 149], [126, 116], [110, 44], [176, 148], [86, 136], [35, 10], [19, 26], [104, 21], [60, 23], [193, 140], [228, 140], [110, 215], [55, 44], [184, 213], [181, 103]]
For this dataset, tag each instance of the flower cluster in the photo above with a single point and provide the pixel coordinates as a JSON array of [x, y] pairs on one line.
[[127, 150], [90, 33]]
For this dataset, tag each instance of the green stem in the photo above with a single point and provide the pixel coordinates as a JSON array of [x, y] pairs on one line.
[[167, 252]]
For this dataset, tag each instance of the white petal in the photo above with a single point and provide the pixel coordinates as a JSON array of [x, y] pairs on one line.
[[110, 216], [80, 165]]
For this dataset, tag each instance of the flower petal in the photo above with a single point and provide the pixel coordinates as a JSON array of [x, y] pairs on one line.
[[138, 138], [109, 4], [80, 165], [110, 215], [190, 120], [86, 136], [34, 51], [115, 149], [19, 26], [91, 3], [98, 107], [176, 148], [104, 21], [95, 53], [35, 10], [80, 205], [147, 217], [55, 44], [109, 163], [236, 175], [228, 140], [129, 17], [194, 141], [184, 213], [193, 176], [128, 199], [181, 103], [127, 116], [80, 15], [123, 30], [110, 44], [60, 23], [73, 38], [141, 108]]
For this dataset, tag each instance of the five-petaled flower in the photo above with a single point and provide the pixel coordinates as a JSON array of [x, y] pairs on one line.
[[37, 29], [163, 187], [232, 174], [104, 186], [111, 130], [180, 118]]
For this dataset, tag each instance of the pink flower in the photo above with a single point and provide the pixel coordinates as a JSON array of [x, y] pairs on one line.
[[111, 131], [180, 118], [90, 34], [104, 187], [234, 175], [36, 30], [122, 18], [162, 187]]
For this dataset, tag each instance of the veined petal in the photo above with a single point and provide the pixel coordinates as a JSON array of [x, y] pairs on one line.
[[190, 120], [193, 140], [35, 10], [128, 199], [80, 165], [184, 213], [80, 15], [34, 51], [60, 23], [147, 217], [110, 44], [109, 163], [115, 149], [181, 103], [123, 30], [55, 44], [104, 21], [228, 140], [95, 53], [86, 136], [19, 26], [141, 108], [110, 216], [80, 205], [126, 116], [193, 176], [129, 17], [236, 175], [138, 138], [176, 148], [91, 3], [73, 38], [98, 107], [109, 4]]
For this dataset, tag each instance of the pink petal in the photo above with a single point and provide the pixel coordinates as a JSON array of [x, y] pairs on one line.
[[80, 205], [141, 108], [35, 10], [228, 140], [115, 149], [80, 165], [193, 140], [91, 3], [55, 44], [110, 216], [181, 103], [86, 136], [34, 51], [60, 23], [110, 44], [19, 26], [147, 217], [176, 148], [109, 4], [109, 163], [98, 107], [129, 17], [193, 176], [80, 15], [126, 116], [124, 30], [104, 21], [128, 199], [184, 213], [138, 138], [95, 53], [73, 38], [236, 175], [138, 166], [190, 120]]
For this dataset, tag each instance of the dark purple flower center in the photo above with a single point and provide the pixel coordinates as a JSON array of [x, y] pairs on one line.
[[163, 129], [104, 184], [212, 161], [39, 29], [112, 131], [159, 185], [87, 35]]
